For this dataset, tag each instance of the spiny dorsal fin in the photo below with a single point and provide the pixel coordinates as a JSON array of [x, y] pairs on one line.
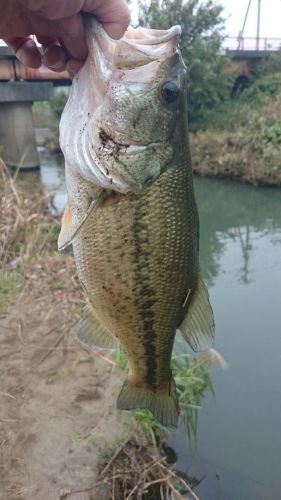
[[198, 326], [90, 331], [162, 404], [68, 232]]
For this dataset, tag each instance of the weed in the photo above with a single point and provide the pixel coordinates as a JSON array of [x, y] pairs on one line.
[[25, 232], [60, 285], [10, 284]]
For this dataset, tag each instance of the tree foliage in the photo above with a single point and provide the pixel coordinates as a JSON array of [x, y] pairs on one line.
[[202, 25], [267, 66], [58, 102]]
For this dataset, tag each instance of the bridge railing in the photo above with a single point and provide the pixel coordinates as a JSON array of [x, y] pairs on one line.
[[252, 43]]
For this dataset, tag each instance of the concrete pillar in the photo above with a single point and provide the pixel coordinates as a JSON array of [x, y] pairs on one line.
[[17, 135]]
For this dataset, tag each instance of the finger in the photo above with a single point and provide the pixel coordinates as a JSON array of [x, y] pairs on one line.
[[73, 37], [26, 51], [73, 66], [54, 10], [54, 56], [114, 15], [115, 30]]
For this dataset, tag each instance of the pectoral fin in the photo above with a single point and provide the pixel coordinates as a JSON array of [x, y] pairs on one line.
[[198, 326], [65, 235], [68, 231], [92, 333]]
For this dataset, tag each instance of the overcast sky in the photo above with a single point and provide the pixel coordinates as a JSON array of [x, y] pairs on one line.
[[235, 11]]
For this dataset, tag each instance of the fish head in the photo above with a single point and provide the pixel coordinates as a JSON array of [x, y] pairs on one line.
[[119, 125]]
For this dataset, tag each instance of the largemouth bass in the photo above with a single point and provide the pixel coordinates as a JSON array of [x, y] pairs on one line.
[[132, 216]]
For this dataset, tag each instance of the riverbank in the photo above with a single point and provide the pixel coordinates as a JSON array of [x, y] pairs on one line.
[[223, 155], [242, 140]]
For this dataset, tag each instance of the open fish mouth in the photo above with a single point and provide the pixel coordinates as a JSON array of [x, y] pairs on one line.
[[138, 47]]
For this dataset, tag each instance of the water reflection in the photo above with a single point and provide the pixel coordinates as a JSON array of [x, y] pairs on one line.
[[239, 440], [231, 212]]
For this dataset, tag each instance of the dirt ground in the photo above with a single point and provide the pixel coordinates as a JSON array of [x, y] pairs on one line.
[[57, 401]]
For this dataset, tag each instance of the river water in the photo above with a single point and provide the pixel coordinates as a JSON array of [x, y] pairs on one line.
[[239, 431]]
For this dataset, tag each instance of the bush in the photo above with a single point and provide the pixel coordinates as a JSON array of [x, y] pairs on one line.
[[269, 86], [58, 102]]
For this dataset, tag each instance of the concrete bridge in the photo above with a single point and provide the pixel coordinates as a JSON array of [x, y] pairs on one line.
[[19, 88], [244, 51]]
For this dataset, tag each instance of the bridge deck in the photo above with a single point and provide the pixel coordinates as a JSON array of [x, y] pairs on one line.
[[12, 69]]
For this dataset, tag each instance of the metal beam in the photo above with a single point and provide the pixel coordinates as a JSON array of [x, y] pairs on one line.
[[258, 24]]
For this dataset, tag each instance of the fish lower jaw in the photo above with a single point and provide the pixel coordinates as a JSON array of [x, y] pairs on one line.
[[95, 166], [110, 157]]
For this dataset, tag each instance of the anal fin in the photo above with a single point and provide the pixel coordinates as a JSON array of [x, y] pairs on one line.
[[91, 333], [198, 326]]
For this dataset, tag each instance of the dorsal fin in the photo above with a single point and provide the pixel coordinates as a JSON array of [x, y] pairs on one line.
[[198, 326]]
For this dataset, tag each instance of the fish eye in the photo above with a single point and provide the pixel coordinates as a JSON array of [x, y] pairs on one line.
[[170, 92]]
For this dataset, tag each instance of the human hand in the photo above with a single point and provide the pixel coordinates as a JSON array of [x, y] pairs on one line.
[[58, 26]]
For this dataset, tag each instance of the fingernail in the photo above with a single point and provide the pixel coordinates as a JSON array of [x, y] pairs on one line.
[[54, 58], [29, 55], [74, 65], [57, 67]]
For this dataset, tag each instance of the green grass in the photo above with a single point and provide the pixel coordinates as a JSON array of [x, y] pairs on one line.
[[59, 285], [193, 379], [10, 284]]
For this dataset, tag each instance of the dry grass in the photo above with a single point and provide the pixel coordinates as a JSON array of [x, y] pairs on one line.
[[246, 148], [135, 470], [138, 471], [27, 234], [25, 226], [223, 154]]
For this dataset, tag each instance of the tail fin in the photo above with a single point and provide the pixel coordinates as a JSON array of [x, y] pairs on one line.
[[162, 404]]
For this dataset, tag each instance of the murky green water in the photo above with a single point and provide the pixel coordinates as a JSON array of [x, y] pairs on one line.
[[239, 432]]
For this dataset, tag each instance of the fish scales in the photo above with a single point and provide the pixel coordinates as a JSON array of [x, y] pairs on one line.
[[135, 236], [129, 269]]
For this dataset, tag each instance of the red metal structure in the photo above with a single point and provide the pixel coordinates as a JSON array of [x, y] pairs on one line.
[[12, 70], [250, 43]]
